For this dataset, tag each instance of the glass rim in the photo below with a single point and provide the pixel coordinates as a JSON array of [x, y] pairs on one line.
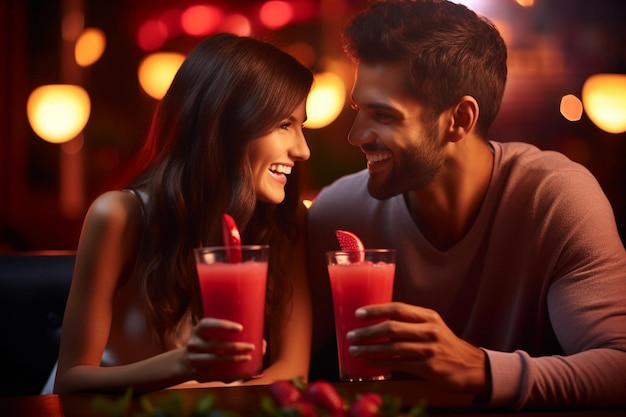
[[341, 251], [218, 248]]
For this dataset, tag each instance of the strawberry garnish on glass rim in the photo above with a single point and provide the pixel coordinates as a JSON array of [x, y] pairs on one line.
[[231, 238], [350, 242]]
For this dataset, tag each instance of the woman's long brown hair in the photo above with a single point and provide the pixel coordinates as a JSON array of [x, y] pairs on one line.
[[194, 166]]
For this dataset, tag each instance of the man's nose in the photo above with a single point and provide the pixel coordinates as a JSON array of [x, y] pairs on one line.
[[360, 133]]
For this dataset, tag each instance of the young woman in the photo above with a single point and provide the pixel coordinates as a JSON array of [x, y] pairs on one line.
[[223, 139]]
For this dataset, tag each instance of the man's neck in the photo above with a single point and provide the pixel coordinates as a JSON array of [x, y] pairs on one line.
[[446, 209]]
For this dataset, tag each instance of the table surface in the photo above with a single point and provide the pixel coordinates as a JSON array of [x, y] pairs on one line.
[[243, 399]]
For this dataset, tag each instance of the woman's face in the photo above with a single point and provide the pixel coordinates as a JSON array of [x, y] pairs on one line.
[[273, 156]]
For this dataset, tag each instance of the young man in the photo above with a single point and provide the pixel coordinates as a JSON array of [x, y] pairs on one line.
[[511, 276]]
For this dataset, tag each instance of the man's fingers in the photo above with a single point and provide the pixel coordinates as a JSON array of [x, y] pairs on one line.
[[395, 330], [397, 311], [394, 351]]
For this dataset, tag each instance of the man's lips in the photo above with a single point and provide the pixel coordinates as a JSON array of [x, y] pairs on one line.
[[374, 159], [377, 157]]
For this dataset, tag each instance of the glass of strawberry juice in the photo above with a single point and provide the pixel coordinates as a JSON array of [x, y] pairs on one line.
[[235, 291], [357, 279]]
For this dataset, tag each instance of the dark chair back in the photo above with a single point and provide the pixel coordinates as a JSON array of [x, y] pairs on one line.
[[33, 293]]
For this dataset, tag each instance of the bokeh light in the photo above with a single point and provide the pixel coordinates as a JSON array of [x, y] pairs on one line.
[[152, 34], [604, 100], [325, 100], [171, 18], [58, 112], [89, 47], [157, 70], [200, 20], [275, 14], [571, 107], [237, 24], [304, 10]]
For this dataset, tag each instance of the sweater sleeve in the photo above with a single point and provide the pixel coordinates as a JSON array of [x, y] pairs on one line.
[[587, 307]]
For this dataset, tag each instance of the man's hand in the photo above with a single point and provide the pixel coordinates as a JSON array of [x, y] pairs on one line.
[[419, 342]]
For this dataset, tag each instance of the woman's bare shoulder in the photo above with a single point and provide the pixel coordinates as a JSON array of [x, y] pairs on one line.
[[112, 204], [115, 209]]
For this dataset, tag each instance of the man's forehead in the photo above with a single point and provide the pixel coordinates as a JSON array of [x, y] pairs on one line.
[[381, 80]]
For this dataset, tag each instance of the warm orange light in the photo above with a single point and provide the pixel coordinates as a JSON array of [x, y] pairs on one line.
[[89, 46], [571, 107], [157, 71], [526, 3], [58, 112], [604, 99], [325, 100]]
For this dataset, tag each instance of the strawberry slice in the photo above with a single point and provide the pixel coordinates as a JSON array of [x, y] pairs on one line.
[[350, 242], [232, 238]]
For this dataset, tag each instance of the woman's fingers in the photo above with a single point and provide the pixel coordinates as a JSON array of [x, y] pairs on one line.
[[198, 359], [211, 323]]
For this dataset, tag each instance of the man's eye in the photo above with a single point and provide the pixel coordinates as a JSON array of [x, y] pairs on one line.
[[354, 106], [382, 117]]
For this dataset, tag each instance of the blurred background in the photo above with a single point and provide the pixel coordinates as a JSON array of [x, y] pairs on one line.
[[566, 91]]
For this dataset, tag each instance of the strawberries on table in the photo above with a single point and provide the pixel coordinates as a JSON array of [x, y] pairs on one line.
[[366, 405], [293, 398], [285, 392], [323, 395]]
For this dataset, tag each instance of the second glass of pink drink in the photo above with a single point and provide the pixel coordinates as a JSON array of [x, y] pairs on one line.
[[235, 291], [358, 278]]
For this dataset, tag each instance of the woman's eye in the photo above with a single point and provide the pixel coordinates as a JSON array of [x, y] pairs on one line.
[[285, 125]]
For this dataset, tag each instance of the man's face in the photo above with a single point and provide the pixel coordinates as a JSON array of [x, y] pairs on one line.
[[403, 151]]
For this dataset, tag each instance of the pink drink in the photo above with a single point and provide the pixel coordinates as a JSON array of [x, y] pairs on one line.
[[236, 292], [356, 285]]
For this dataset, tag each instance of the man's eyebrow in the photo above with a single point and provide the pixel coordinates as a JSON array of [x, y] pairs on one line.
[[374, 105], [379, 106]]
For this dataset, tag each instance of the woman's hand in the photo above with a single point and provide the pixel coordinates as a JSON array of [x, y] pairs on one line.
[[208, 346]]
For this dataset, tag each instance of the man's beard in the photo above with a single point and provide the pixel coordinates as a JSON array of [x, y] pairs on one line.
[[420, 166]]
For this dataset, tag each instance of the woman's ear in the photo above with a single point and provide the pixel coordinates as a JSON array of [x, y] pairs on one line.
[[464, 118]]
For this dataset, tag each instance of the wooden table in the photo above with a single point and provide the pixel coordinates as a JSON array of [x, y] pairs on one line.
[[244, 399]]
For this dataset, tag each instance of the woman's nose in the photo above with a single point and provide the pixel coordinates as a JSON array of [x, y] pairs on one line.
[[300, 150]]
